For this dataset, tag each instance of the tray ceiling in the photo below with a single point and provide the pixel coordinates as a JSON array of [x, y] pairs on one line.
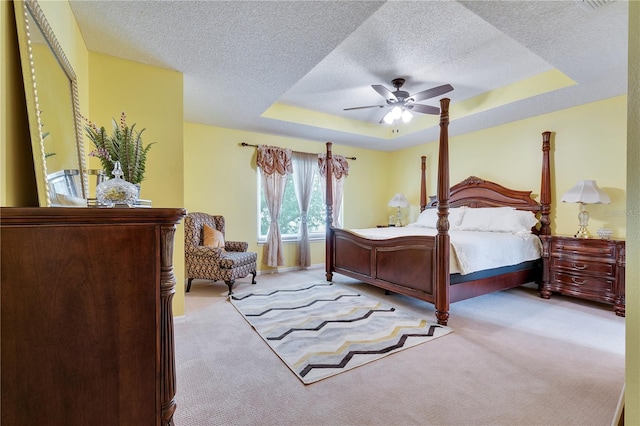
[[290, 67]]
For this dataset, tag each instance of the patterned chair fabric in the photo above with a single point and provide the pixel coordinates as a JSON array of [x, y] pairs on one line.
[[210, 263]]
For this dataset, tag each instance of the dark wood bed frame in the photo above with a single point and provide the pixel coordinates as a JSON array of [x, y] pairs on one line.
[[418, 266]]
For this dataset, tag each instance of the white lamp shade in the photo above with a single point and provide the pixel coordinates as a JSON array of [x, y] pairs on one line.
[[398, 200], [586, 192]]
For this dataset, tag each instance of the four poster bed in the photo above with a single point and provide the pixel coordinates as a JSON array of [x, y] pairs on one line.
[[420, 265]]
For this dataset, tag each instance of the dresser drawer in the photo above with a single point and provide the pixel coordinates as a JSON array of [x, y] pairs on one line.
[[599, 248], [577, 265], [582, 283]]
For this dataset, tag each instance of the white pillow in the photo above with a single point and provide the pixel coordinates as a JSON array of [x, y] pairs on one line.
[[429, 217], [498, 219]]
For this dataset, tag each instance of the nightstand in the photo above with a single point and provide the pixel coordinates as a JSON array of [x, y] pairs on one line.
[[584, 267]]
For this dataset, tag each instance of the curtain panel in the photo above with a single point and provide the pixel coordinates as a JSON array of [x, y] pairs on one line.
[[304, 170], [275, 164], [339, 172]]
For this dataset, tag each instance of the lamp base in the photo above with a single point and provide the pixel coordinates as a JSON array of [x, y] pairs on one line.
[[583, 218], [583, 232]]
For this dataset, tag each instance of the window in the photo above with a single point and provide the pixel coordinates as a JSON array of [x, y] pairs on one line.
[[290, 213]]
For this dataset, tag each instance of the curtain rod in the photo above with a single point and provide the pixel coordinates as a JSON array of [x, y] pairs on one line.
[[255, 146]]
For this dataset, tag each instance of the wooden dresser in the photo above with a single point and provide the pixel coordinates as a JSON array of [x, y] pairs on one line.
[[587, 268], [87, 323]]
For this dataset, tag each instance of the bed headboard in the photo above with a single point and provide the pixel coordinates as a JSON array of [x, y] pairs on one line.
[[477, 192]]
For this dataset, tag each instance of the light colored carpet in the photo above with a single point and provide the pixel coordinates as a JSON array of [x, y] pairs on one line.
[[513, 359], [321, 329]]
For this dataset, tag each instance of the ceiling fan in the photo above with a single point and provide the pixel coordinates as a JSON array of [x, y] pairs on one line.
[[402, 104]]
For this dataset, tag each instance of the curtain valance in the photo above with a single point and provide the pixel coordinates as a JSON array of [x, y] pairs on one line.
[[340, 166], [273, 159]]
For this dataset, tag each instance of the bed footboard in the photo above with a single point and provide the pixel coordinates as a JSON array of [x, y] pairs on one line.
[[403, 265]]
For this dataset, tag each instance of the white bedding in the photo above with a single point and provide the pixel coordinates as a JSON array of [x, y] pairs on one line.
[[472, 251]]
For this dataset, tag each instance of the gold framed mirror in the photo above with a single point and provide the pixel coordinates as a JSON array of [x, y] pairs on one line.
[[55, 126]]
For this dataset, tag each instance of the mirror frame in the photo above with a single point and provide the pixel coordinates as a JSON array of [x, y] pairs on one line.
[[23, 10]]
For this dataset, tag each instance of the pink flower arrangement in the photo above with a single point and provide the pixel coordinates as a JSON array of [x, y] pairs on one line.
[[124, 145]]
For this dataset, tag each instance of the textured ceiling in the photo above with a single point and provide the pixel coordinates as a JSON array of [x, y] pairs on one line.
[[290, 67]]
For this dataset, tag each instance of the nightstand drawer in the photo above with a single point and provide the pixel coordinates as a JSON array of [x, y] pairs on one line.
[[584, 267], [580, 282], [579, 266], [599, 248]]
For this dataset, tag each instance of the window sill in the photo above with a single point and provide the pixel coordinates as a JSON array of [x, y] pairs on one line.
[[290, 240]]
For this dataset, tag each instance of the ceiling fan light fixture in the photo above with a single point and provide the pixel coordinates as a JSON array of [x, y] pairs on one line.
[[388, 117], [403, 104]]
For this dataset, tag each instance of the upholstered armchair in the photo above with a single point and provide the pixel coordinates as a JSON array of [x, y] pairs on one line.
[[220, 259]]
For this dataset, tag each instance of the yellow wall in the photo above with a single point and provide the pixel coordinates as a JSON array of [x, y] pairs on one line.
[[151, 96], [17, 179], [221, 178], [60, 141], [64, 26], [152, 99], [511, 155], [596, 131], [632, 396]]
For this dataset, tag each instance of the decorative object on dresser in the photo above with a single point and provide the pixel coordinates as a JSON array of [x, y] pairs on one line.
[[585, 192], [605, 233], [87, 322], [584, 267], [123, 145], [399, 201], [117, 191], [209, 256]]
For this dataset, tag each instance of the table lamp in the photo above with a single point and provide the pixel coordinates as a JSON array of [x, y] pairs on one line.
[[398, 200], [585, 192]]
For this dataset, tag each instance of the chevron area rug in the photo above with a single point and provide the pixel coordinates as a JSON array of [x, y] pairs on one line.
[[322, 329]]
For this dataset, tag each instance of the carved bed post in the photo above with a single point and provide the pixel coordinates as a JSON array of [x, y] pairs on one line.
[[545, 187], [329, 239], [442, 239], [423, 184]]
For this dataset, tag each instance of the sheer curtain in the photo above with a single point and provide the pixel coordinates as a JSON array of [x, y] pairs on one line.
[[304, 170], [275, 164], [340, 171]]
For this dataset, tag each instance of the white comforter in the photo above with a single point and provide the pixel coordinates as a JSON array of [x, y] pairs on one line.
[[472, 251]]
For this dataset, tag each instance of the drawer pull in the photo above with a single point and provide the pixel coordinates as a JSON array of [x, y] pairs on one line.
[[580, 266], [578, 281]]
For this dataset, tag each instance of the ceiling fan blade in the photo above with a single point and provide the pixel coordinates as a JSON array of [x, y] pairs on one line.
[[363, 107], [432, 93], [425, 109], [384, 92]]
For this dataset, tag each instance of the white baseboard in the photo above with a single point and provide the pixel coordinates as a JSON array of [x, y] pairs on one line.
[[279, 270]]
